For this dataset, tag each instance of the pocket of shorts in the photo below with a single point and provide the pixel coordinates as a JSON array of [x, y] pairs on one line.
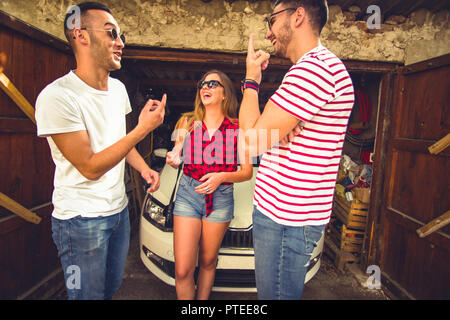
[[226, 189], [182, 181]]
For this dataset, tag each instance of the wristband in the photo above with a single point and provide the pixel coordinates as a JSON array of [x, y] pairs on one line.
[[249, 84]]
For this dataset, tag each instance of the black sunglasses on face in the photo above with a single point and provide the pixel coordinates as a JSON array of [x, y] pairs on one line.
[[113, 33], [269, 18], [211, 84]]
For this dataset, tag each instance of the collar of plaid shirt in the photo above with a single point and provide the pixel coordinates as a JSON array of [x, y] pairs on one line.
[[200, 158]]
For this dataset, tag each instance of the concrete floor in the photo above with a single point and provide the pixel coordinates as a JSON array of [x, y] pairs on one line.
[[328, 284]]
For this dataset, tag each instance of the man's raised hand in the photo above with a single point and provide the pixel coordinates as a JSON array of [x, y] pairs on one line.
[[152, 115], [256, 61]]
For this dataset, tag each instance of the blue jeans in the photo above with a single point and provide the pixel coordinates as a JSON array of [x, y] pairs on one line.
[[93, 252], [282, 256]]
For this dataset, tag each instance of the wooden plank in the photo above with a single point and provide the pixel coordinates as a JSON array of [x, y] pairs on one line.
[[16, 125], [426, 65], [374, 239], [18, 209], [17, 97], [415, 145], [434, 225], [345, 239], [14, 222], [139, 53], [339, 257], [420, 266], [193, 84], [352, 214], [440, 145], [438, 238]]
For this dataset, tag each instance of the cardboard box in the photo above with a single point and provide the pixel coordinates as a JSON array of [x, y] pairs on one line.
[[362, 194]]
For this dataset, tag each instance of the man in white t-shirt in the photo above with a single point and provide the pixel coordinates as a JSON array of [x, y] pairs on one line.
[[296, 178], [82, 115]]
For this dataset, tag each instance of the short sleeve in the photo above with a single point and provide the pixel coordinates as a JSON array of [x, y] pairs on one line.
[[56, 113], [306, 88], [128, 108]]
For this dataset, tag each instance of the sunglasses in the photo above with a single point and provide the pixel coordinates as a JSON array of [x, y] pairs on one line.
[[112, 32], [211, 84], [269, 18]]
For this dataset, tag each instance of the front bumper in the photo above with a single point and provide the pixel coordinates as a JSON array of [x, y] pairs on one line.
[[235, 269]]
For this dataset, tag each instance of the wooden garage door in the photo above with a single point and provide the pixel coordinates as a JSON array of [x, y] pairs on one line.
[[28, 257], [416, 186]]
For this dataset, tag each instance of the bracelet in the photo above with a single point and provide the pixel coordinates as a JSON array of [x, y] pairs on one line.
[[249, 83]]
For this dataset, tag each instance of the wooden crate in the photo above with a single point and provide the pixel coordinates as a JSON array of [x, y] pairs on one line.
[[352, 214], [347, 240], [339, 257]]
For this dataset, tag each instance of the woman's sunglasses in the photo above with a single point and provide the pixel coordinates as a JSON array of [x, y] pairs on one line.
[[211, 84], [112, 32]]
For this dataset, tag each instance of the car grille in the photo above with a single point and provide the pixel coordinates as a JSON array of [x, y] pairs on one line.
[[228, 278], [238, 239]]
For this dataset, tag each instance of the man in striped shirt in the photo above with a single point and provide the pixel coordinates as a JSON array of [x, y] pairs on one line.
[[295, 181]]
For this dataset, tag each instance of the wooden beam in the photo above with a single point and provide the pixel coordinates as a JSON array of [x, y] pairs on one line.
[[16, 96], [415, 145], [193, 84], [16, 125], [440, 146], [173, 55], [434, 225], [18, 209], [438, 238]]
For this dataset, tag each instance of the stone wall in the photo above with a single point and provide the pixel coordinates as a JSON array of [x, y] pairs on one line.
[[224, 26]]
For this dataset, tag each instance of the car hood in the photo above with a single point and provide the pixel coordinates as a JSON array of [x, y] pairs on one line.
[[243, 196]]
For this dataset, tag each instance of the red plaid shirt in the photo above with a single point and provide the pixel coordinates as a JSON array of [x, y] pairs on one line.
[[203, 154]]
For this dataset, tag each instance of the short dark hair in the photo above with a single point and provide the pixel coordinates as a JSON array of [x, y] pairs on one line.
[[317, 10], [83, 8]]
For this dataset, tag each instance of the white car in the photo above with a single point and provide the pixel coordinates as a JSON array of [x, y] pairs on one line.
[[236, 266]]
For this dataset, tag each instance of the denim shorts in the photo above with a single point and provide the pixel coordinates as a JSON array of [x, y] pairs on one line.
[[191, 204]]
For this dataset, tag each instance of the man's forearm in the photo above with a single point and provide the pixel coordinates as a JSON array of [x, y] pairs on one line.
[[135, 160], [249, 112], [248, 116], [111, 156]]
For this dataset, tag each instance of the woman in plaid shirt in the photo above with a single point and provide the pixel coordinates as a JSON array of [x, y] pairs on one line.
[[208, 137]]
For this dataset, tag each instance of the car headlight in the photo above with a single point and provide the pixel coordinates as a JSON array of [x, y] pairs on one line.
[[157, 214], [153, 212]]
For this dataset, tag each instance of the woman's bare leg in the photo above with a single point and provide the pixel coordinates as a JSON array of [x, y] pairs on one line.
[[212, 235], [186, 233]]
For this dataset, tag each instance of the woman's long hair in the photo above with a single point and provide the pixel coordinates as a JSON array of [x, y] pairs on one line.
[[229, 104]]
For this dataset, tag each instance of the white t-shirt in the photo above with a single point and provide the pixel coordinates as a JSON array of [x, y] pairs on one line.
[[295, 184], [67, 105]]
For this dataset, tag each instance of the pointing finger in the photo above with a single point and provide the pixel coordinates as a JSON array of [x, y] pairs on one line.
[[251, 45]]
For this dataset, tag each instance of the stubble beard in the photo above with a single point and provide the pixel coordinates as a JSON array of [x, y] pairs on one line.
[[283, 40], [103, 56]]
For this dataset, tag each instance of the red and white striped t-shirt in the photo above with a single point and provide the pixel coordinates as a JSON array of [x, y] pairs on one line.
[[295, 184]]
